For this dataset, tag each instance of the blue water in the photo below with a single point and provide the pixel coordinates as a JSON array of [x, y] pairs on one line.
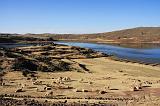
[[149, 55]]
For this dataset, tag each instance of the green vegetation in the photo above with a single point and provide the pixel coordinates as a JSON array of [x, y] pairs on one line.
[[53, 65], [25, 73], [24, 64]]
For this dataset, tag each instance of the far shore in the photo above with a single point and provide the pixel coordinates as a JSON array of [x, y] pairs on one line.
[[106, 42]]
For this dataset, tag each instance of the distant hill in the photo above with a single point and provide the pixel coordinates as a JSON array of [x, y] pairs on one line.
[[135, 35], [19, 38]]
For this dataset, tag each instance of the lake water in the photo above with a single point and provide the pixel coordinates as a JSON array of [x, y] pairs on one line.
[[147, 55]]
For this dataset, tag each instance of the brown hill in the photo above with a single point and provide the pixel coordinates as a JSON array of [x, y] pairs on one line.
[[135, 35]]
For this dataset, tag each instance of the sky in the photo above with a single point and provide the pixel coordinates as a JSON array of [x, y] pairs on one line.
[[77, 16]]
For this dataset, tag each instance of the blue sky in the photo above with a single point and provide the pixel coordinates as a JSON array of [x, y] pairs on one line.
[[76, 16]]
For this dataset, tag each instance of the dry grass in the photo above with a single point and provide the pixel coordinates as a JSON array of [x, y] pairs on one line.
[[105, 72]]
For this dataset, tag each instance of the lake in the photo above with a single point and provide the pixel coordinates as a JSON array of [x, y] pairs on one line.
[[147, 55]]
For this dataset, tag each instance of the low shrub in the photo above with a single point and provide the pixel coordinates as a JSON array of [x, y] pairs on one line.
[[25, 64]]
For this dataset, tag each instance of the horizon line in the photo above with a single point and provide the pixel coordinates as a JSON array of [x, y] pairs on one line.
[[82, 33]]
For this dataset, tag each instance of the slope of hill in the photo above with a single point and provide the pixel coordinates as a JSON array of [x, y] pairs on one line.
[[135, 35], [19, 38]]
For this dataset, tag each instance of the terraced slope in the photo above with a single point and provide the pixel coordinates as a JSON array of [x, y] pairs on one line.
[[47, 58]]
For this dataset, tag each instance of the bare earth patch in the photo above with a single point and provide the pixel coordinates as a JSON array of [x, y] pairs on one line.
[[91, 78]]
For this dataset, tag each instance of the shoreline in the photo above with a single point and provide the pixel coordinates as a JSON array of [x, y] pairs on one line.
[[111, 43], [115, 58]]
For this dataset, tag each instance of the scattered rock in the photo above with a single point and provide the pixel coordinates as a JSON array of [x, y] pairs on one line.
[[48, 88], [19, 90], [49, 93], [68, 79], [78, 90], [85, 90], [102, 92]]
